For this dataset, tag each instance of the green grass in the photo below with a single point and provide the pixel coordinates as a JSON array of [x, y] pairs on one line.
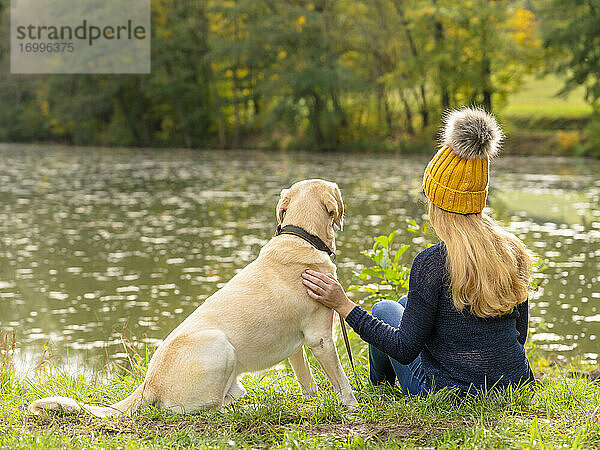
[[563, 412], [537, 98], [538, 122]]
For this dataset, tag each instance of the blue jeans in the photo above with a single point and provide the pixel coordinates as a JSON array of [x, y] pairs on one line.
[[383, 368]]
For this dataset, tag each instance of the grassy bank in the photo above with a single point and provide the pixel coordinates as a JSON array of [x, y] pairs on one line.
[[563, 412], [537, 98], [539, 122]]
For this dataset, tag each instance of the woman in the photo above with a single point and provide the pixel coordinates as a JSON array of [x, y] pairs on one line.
[[464, 321]]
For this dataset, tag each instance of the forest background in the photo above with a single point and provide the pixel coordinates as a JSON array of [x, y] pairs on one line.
[[362, 75]]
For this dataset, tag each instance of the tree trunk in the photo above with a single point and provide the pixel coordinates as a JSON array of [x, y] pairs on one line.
[[423, 109], [217, 100], [379, 89], [202, 38], [388, 115], [339, 111], [407, 111], [439, 39], [129, 121], [487, 88], [236, 90], [186, 135], [315, 120], [236, 109]]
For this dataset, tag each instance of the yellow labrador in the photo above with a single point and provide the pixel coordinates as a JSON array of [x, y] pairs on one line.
[[260, 317]]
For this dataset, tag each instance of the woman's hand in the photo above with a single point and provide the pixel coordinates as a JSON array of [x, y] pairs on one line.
[[325, 289]]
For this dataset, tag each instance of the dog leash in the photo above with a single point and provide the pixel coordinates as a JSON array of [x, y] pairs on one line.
[[317, 243], [347, 343]]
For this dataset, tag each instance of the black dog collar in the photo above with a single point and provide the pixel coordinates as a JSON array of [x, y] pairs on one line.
[[313, 240]]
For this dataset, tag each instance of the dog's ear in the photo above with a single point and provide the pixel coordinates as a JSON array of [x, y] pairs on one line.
[[335, 207], [282, 205]]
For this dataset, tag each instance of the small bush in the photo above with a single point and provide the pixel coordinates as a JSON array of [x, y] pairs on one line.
[[387, 275]]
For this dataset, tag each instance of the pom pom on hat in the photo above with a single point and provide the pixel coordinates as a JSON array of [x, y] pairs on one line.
[[456, 179], [471, 133]]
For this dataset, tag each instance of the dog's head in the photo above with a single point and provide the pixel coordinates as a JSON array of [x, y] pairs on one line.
[[315, 205]]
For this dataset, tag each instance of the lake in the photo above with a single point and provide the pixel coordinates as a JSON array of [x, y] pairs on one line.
[[97, 239]]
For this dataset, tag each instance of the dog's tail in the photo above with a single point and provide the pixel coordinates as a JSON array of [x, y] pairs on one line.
[[66, 404]]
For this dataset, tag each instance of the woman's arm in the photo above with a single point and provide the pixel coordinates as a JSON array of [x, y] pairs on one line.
[[523, 321], [403, 343]]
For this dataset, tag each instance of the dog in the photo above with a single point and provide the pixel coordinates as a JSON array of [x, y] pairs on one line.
[[262, 316]]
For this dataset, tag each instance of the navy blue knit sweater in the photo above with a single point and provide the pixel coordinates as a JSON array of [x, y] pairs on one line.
[[457, 348]]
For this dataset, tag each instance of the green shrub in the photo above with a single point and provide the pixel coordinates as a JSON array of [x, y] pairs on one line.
[[388, 273]]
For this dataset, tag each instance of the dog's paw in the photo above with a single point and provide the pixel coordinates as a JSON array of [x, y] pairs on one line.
[[349, 401], [310, 391]]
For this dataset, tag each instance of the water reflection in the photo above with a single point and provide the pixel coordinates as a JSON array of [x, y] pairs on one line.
[[96, 239]]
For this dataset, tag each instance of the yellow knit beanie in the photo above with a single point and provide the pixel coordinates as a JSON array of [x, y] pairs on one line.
[[456, 179]]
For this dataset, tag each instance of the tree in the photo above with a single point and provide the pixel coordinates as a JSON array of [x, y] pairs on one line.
[[571, 30], [487, 48], [307, 77]]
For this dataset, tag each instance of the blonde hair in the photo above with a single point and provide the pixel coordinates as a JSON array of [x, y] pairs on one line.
[[489, 267]]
